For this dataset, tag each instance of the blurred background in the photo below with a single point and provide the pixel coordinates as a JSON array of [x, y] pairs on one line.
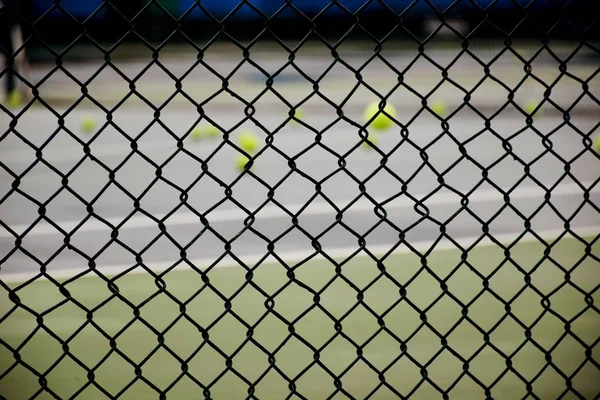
[[104, 174], [518, 40], [156, 20], [514, 83]]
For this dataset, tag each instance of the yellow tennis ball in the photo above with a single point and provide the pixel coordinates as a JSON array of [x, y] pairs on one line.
[[14, 99], [530, 108], [381, 122], [241, 162], [201, 132], [370, 142], [212, 131], [439, 108], [197, 133], [298, 116], [88, 124], [597, 144], [248, 141]]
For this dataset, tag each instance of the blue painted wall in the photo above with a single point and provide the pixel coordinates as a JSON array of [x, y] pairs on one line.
[[82, 9]]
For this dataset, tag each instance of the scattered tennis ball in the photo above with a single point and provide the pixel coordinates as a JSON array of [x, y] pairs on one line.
[[439, 108], [248, 141], [14, 99], [381, 122], [597, 144], [212, 131], [207, 131], [88, 124], [370, 142], [298, 116], [201, 132], [241, 162], [530, 108], [197, 133]]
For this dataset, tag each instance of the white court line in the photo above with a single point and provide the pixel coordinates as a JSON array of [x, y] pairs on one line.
[[270, 212], [296, 256]]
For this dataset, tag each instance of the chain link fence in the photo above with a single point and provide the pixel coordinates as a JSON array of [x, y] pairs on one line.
[[300, 199]]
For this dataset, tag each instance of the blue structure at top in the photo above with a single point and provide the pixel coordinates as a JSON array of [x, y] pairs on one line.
[[82, 9]]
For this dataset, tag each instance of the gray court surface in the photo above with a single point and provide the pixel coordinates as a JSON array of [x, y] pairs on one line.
[[402, 174]]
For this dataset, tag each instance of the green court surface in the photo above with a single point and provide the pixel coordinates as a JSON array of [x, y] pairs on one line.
[[294, 357]]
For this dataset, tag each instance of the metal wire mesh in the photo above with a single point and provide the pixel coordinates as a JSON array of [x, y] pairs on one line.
[[566, 97]]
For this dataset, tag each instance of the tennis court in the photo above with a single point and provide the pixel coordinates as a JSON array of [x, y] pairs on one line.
[[277, 332], [419, 218]]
